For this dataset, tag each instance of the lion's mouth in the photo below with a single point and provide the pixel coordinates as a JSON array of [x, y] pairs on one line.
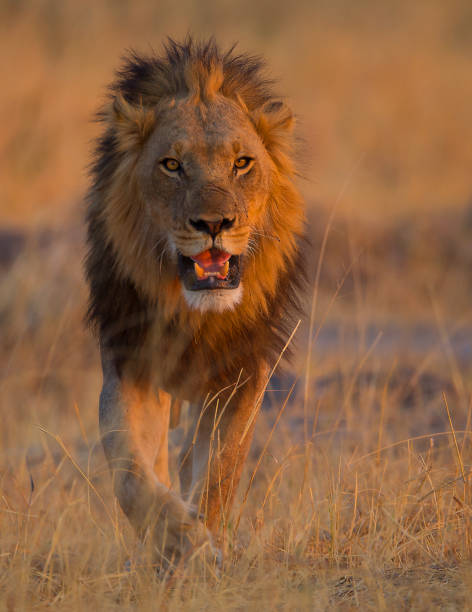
[[211, 269]]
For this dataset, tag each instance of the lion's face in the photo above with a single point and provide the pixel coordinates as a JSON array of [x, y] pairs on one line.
[[205, 176], [194, 185]]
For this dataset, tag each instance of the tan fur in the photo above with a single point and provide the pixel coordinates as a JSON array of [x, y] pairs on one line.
[[278, 226], [204, 109]]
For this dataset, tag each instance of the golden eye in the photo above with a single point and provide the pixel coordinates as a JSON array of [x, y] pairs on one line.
[[171, 164], [242, 162]]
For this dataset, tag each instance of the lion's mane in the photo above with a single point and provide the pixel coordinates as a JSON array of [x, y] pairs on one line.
[[131, 288]]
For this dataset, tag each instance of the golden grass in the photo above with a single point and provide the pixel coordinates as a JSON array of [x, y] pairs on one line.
[[361, 498], [356, 493]]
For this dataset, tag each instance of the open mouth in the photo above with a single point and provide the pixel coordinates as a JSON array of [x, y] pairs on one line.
[[211, 269]]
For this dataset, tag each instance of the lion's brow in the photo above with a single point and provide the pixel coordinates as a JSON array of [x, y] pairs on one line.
[[178, 147]]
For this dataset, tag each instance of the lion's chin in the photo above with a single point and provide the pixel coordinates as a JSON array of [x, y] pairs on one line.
[[216, 300]]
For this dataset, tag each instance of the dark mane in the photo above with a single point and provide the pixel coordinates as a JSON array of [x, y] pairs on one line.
[[119, 308], [146, 79]]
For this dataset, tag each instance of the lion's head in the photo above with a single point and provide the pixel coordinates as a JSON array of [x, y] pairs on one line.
[[194, 180], [205, 175]]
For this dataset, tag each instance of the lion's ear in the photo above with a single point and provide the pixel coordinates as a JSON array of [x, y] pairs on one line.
[[133, 124], [274, 116], [274, 122], [278, 115]]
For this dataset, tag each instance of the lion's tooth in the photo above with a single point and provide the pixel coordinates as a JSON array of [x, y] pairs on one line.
[[199, 271]]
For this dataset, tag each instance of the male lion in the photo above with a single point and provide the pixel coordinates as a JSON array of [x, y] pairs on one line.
[[193, 265]]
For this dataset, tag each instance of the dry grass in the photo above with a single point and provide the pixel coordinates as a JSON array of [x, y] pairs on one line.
[[363, 496]]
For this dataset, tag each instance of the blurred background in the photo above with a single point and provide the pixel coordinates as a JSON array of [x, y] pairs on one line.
[[383, 95], [382, 89]]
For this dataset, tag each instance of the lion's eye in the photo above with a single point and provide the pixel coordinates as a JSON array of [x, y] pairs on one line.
[[242, 163], [171, 164]]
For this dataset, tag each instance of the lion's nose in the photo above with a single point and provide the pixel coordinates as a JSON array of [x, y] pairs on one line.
[[212, 226]]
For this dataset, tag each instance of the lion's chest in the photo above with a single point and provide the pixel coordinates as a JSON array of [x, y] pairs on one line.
[[185, 364]]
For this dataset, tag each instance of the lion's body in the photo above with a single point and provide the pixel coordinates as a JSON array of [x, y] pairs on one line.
[[167, 326]]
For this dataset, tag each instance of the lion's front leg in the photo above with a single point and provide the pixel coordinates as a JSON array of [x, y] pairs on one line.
[[217, 452], [134, 426]]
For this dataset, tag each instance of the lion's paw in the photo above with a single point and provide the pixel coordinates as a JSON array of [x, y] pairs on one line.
[[180, 536]]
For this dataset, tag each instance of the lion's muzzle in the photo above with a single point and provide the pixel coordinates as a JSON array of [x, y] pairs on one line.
[[212, 226]]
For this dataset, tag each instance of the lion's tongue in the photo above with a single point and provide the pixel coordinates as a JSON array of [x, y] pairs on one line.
[[212, 261]]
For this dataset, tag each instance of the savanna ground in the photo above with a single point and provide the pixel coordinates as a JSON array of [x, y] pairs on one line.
[[357, 492]]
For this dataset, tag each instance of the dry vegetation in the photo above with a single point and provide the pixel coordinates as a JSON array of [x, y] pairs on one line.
[[363, 496]]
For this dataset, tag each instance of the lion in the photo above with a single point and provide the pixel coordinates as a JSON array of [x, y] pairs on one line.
[[194, 266]]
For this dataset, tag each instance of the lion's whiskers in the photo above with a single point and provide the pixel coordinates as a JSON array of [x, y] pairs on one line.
[[158, 242], [252, 246], [259, 232], [164, 251]]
